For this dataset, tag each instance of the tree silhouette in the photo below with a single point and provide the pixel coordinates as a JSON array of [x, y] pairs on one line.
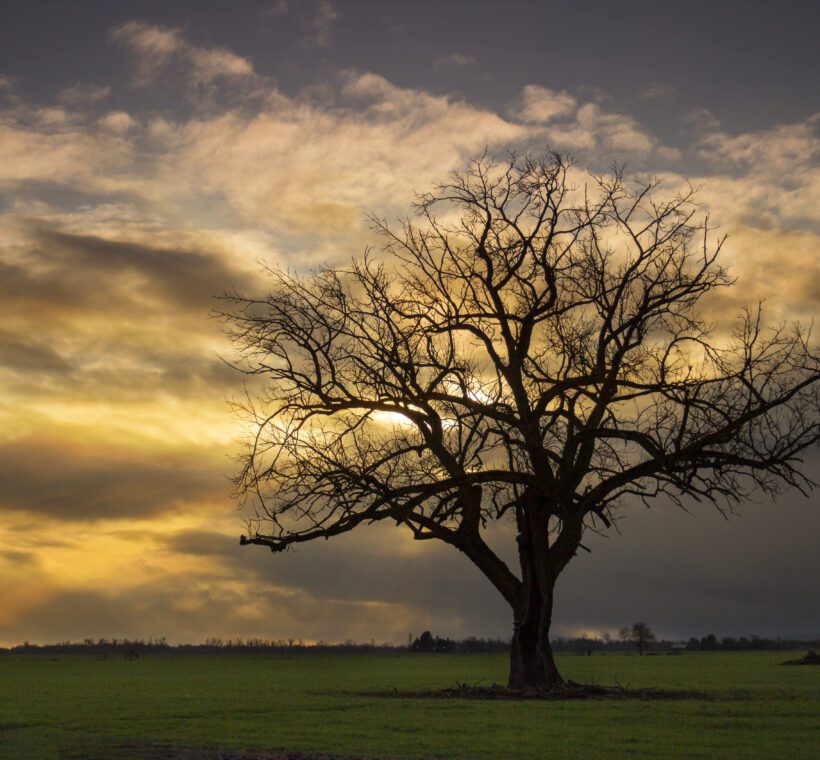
[[639, 634], [527, 350]]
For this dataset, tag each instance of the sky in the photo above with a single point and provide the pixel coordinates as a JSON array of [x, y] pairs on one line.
[[156, 154]]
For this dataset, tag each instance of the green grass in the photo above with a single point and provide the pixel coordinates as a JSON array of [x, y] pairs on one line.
[[80, 707]]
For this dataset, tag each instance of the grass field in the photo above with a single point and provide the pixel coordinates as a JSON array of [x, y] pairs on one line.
[[76, 706]]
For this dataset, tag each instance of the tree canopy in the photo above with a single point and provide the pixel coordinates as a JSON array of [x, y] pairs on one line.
[[529, 347]]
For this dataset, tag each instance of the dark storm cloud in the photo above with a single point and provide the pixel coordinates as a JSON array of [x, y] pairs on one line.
[[95, 481], [35, 369], [208, 374], [694, 574], [59, 277], [435, 581], [19, 558], [48, 354], [29, 354], [185, 279], [685, 574], [64, 274]]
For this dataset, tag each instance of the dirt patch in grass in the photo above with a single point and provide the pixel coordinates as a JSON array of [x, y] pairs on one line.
[[569, 691]]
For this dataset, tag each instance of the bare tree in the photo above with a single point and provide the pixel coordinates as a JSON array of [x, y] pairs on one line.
[[640, 634], [526, 350]]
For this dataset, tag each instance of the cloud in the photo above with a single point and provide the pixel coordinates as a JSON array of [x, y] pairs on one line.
[[192, 584], [454, 59], [379, 569], [83, 94], [541, 105], [744, 578], [162, 277], [185, 609], [766, 185], [701, 118], [24, 559], [325, 15], [763, 190], [29, 355], [314, 19], [50, 149], [277, 8], [117, 121], [155, 48], [303, 166], [660, 91], [781, 148], [588, 128], [117, 227], [768, 265], [379, 564], [93, 321], [611, 132], [79, 481]]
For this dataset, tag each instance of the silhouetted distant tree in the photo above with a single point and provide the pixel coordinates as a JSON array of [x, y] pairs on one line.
[[529, 350], [640, 634], [424, 643], [428, 643], [708, 643]]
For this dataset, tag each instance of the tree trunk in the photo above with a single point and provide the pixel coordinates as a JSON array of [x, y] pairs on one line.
[[531, 660], [532, 665]]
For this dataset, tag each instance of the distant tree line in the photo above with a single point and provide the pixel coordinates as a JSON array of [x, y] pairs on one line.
[[629, 640], [711, 643], [214, 645], [130, 647], [426, 642], [429, 643]]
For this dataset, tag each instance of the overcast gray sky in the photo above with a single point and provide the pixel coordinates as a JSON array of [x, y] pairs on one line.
[[153, 153]]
